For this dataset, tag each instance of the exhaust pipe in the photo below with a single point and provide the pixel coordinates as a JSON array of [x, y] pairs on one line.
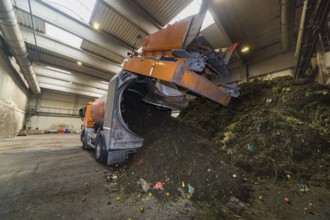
[[12, 34]]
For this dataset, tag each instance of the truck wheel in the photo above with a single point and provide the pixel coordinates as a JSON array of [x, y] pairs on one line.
[[83, 140], [101, 153]]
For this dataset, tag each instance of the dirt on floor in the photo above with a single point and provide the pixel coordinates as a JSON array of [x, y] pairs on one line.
[[266, 155], [51, 177]]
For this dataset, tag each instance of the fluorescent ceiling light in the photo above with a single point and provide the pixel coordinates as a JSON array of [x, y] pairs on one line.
[[79, 9], [96, 25], [245, 49], [79, 63], [63, 36], [191, 9]]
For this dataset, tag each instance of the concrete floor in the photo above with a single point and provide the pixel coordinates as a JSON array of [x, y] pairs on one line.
[[38, 166], [51, 177]]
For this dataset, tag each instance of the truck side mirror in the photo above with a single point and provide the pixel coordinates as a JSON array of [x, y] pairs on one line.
[[82, 112]]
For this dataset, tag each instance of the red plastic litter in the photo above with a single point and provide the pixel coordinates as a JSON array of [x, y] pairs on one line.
[[158, 185]]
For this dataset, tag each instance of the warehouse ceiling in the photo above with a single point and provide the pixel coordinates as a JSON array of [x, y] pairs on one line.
[[92, 41]]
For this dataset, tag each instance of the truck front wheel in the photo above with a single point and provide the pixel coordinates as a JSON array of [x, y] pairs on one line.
[[83, 140]]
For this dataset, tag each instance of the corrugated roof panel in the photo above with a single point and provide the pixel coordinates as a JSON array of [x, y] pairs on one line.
[[264, 26], [100, 51], [49, 52], [255, 14], [163, 11], [117, 26], [253, 22], [25, 19]]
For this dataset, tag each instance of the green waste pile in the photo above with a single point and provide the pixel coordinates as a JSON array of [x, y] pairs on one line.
[[276, 134], [285, 121]]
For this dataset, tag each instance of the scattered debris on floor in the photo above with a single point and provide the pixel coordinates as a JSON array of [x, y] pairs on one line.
[[242, 160]]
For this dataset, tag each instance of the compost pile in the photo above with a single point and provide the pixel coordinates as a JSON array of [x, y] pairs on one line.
[[227, 159]]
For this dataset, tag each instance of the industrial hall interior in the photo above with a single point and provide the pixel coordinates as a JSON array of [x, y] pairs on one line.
[[165, 109]]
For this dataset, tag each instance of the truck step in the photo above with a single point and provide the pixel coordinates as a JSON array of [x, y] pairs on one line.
[[92, 136]]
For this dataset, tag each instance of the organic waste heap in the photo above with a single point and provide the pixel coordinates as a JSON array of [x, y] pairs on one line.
[[276, 131]]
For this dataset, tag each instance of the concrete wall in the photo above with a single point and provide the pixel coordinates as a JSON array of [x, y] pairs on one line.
[[13, 98], [57, 103], [274, 64], [327, 61], [52, 123], [321, 67], [268, 68], [270, 76], [54, 110]]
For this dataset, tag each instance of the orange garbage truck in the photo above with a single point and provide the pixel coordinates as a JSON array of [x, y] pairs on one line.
[[174, 61]]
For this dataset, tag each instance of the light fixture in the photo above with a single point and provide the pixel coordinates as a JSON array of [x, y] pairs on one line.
[[79, 63], [245, 49], [96, 25]]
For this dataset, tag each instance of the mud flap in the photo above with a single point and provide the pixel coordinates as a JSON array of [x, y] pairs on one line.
[[118, 156]]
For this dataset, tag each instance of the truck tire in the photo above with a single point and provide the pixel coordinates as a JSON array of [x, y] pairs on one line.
[[83, 140], [101, 154]]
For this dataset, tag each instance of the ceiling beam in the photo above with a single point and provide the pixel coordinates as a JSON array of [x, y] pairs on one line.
[[78, 28], [65, 84], [69, 90], [214, 8], [67, 65], [51, 44], [222, 13], [220, 27], [76, 78], [134, 14]]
